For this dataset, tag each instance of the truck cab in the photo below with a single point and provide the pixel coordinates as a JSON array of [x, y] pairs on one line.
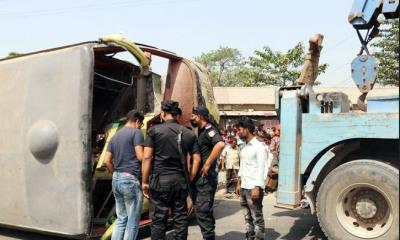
[[343, 161]]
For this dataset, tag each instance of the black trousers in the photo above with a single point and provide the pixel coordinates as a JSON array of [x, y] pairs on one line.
[[231, 179], [203, 198], [168, 192]]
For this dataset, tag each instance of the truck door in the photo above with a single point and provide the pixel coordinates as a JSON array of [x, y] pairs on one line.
[[45, 101]]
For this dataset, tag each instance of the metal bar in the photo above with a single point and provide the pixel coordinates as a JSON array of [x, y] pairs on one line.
[[141, 95], [104, 204], [363, 44], [111, 213], [113, 80]]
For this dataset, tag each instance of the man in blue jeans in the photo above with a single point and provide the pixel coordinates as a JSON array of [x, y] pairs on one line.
[[123, 159]]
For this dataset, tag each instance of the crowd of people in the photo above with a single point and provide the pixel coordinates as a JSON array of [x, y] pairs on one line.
[[230, 160], [157, 167]]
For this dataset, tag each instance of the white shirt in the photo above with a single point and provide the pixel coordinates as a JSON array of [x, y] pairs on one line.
[[231, 157], [253, 157]]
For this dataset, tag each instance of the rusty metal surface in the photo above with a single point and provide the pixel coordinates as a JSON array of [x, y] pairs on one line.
[[160, 52], [190, 85], [180, 86], [310, 68], [205, 90]]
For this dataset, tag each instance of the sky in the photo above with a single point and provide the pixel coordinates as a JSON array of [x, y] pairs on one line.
[[187, 27]]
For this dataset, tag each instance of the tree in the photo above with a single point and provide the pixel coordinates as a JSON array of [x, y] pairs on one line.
[[228, 67], [242, 76], [386, 50], [222, 63], [279, 69], [13, 54]]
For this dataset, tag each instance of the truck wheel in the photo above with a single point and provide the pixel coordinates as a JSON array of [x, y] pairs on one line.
[[360, 200]]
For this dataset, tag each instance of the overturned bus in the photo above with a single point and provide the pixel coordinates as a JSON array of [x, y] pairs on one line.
[[59, 108]]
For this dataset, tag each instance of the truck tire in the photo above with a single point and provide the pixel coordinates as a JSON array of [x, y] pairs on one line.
[[360, 200]]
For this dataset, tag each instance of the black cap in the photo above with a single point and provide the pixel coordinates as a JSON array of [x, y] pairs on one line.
[[171, 107], [201, 111]]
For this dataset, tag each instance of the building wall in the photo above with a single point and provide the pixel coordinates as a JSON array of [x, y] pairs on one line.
[[259, 113], [246, 107]]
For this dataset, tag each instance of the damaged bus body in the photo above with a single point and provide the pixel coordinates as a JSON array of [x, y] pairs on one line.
[[59, 108]]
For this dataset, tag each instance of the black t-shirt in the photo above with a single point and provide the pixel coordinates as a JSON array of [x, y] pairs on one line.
[[122, 146], [163, 138], [208, 137]]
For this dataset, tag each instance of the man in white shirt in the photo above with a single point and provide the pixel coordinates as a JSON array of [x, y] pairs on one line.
[[250, 185]]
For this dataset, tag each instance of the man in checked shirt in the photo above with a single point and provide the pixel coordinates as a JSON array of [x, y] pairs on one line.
[[250, 185]]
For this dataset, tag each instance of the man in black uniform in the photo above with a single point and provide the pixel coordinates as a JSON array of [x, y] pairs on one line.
[[206, 181], [168, 186]]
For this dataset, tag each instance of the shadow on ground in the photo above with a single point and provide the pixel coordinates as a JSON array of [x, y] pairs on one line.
[[234, 235], [22, 235], [224, 210], [299, 230], [227, 209], [270, 234]]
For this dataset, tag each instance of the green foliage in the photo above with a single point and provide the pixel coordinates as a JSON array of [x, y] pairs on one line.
[[276, 68], [279, 69], [222, 63], [13, 54], [266, 67], [386, 50]]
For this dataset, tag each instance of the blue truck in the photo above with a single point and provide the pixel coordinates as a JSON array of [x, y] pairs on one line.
[[344, 162]]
